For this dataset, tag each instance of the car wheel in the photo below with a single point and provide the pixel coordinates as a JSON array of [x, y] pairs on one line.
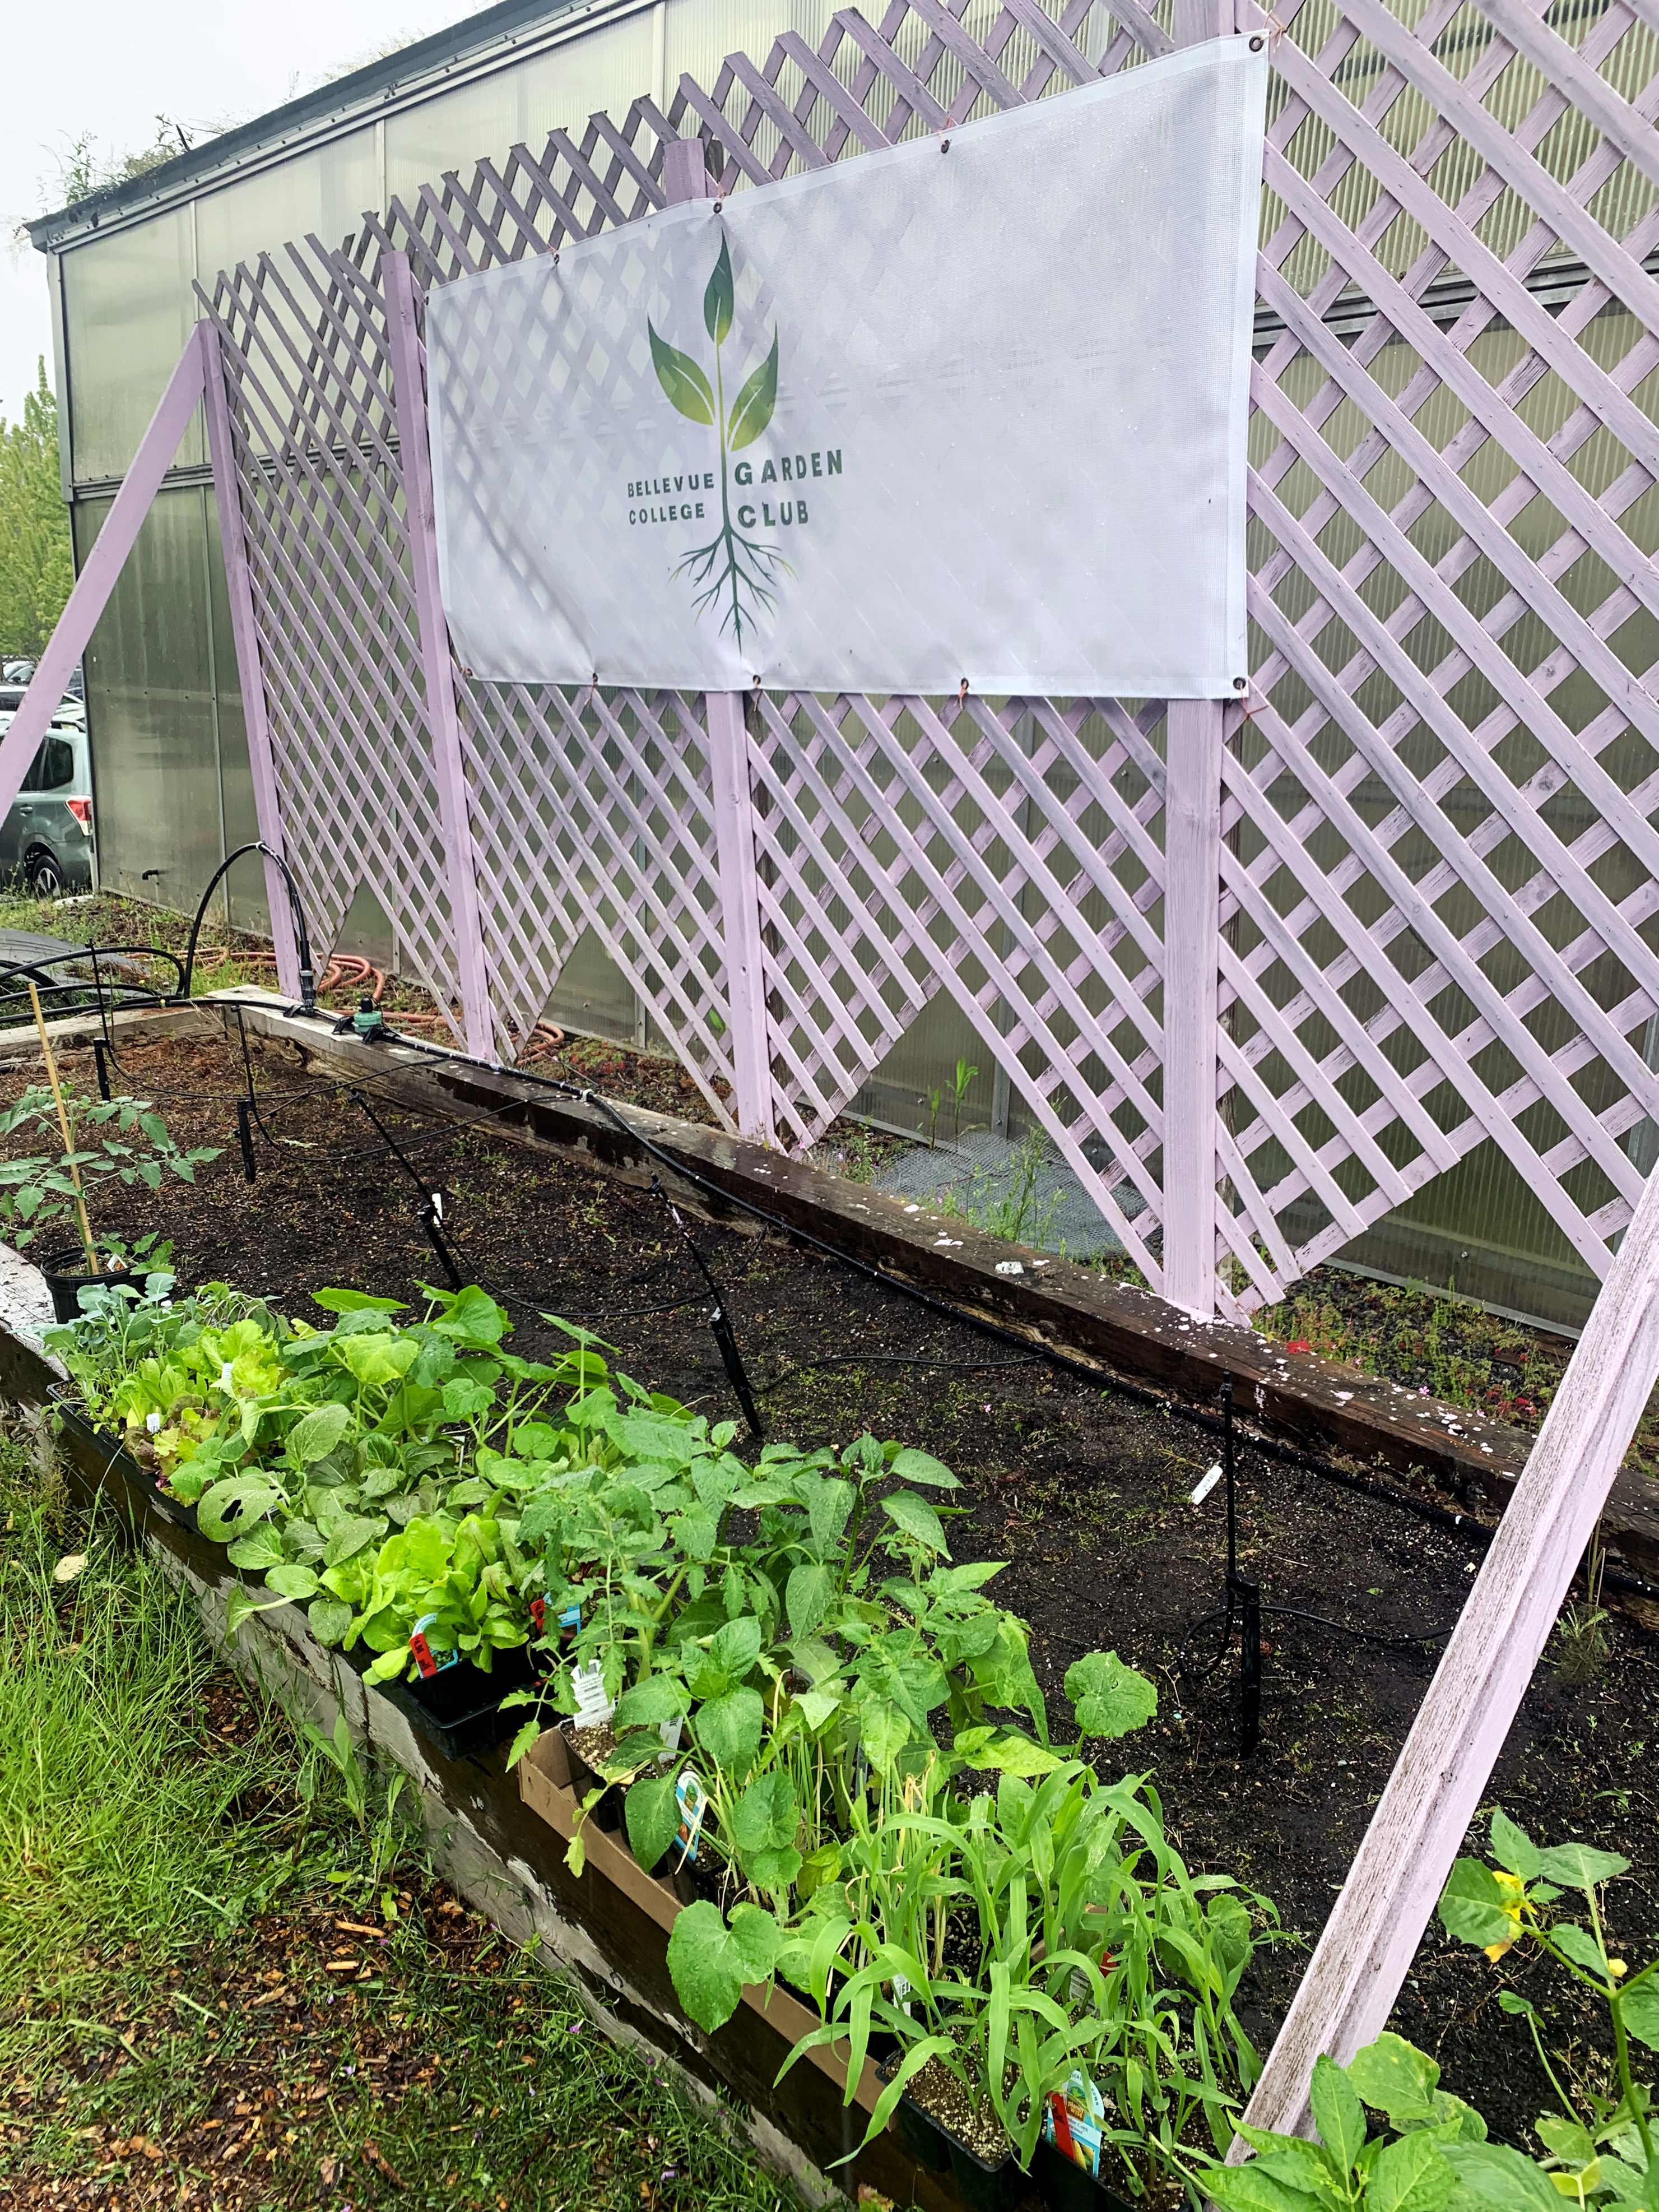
[[46, 877]]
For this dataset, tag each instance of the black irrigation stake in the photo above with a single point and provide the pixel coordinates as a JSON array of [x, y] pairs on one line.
[[730, 1357], [431, 1200], [1241, 1605], [100, 1061], [244, 1138]]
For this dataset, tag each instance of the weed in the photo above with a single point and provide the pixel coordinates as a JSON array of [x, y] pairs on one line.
[[1004, 1202], [1582, 1644]]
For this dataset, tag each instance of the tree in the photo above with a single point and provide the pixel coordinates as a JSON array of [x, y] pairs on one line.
[[36, 567]]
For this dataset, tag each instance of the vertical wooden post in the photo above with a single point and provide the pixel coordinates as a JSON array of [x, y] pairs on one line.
[[1192, 898], [686, 177], [438, 677], [250, 672], [1344, 1999]]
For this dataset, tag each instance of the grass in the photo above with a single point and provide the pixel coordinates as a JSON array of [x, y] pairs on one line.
[[221, 1986]]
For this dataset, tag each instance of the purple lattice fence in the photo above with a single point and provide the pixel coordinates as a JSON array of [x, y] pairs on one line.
[[1258, 972]]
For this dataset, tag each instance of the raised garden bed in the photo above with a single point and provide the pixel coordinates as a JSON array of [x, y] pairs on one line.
[[1085, 1496]]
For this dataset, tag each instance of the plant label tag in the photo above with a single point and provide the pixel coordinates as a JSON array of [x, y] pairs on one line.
[[693, 1804], [1077, 1990], [1073, 2120], [593, 1708], [425, 1659], [1208, 1485], [902, 1992], [670, 1732]]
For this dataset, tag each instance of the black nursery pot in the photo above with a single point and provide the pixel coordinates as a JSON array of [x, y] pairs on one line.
[[66, 1278], [1066, 2186], [983, 2187], [459, 1709]]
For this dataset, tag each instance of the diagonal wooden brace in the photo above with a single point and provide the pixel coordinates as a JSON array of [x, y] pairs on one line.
[[96, 580], [1343, 2000]]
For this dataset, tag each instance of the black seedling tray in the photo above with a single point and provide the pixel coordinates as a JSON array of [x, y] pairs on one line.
[[459, 1709], [104, 1447]]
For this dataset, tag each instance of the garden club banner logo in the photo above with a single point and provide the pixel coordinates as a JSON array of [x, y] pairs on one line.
[[735, 572], [968, 409]]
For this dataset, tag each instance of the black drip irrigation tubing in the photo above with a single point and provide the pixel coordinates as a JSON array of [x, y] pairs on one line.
[[1463, 1524], [1477, 1531]]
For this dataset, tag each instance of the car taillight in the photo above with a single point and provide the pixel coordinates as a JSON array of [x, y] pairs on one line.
[[82, 810]]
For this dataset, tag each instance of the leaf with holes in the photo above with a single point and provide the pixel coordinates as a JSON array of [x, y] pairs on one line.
[[231, 1507]]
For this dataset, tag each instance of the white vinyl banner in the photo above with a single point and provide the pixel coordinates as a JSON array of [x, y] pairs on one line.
[[968, 409]]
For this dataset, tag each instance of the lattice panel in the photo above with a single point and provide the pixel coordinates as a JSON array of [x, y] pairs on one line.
[[304, 350], [1007, 859], [594, 812], [1438, 918]]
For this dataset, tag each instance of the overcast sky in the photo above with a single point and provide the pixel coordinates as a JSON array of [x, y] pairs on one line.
[[109, 67]]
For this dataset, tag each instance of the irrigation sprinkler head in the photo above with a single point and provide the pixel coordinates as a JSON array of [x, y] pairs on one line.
[[367, 1025]]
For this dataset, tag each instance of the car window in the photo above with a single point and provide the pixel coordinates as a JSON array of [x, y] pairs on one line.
[[52, 767], [56, 763]]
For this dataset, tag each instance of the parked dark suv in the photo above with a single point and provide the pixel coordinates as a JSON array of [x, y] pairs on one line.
[[47, 837]]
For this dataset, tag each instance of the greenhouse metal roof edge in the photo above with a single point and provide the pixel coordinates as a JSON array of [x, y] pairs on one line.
[[476, 48]]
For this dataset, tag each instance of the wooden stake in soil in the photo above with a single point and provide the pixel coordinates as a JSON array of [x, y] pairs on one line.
[[63, 1124]]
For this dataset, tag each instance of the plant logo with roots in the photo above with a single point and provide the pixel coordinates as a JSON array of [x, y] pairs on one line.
[[735, 573]]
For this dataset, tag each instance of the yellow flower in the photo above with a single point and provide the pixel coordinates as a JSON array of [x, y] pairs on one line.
[[1513, 1891]]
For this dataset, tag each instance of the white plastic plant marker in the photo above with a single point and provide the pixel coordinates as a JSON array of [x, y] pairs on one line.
[[1208, 1485], [593, 1708]]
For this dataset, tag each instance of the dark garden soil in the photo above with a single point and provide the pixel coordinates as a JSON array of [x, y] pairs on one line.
[[1083, 1493]]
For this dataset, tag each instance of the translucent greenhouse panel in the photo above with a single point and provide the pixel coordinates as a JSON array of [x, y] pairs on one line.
[[924, 1061], [701, 33], [608, 68], [366, 932], [127, 310], [1479, 1230], [593, 995], [325, 188], [149, 709]]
